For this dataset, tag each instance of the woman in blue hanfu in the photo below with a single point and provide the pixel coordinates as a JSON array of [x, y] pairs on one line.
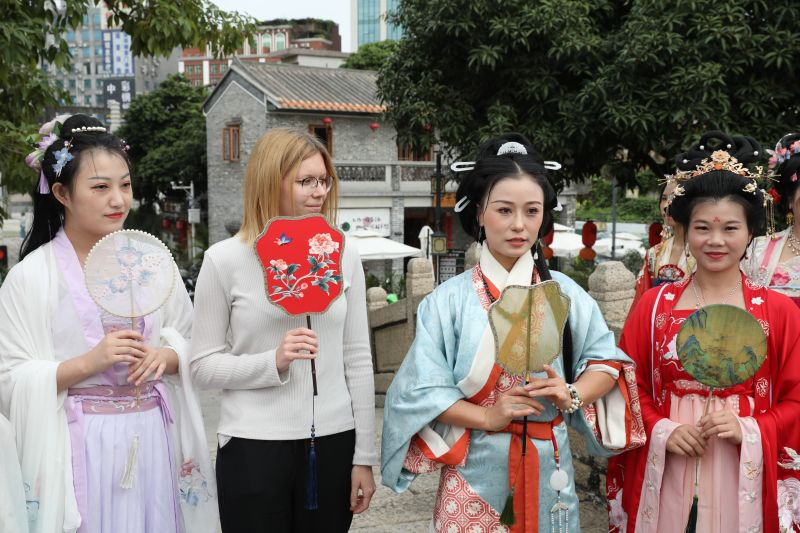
[[452, 407]]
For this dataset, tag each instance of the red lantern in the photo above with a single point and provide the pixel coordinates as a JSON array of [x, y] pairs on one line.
[[180, 224], [327, 121], [654, 233], [589, 234], [588, 237], [548, 240], [374, 126], [165, 223]]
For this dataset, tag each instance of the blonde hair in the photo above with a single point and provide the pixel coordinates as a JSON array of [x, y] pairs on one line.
[[277, 154]]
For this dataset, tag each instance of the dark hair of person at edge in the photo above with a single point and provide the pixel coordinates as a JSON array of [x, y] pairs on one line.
[[48, 213], [716, 185], [785, 185], [478, 183]]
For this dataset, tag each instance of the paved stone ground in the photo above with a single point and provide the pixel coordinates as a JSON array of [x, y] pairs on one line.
[[411, 511]]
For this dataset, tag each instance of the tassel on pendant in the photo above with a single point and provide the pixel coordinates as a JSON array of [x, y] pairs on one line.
[[507, 517], [130, 465], [691, 525], [311, 479]]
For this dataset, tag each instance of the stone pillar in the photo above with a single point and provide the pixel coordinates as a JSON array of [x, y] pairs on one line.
[[472, 255], [612, 286], [419, 277], [376, 298]]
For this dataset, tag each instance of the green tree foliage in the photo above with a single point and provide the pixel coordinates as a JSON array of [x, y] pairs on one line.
[[371, 56], [166, 131], [620, 84], [32, 33], [597, 205]]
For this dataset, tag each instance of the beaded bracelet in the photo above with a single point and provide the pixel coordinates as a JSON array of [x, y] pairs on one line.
[[575, 399]]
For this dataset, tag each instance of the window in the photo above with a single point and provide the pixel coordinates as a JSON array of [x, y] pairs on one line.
[[404, 153], [71, 84], [323, 132], [230, 143], [70, 36], [85, 36], [87, 100], [85, 52], [96, 19], [87, 84], [280, 41], [98, 84], [223, 68], [189, 69], [98, 51], [87, 68], [98, 36], [214, 68]]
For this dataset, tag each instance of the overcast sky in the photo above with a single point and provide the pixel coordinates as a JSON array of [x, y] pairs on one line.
[[336, 10]]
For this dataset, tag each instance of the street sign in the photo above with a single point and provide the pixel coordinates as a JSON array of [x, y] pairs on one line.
[[193, 215]]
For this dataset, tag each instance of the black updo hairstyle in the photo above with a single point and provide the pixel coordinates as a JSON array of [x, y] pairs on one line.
[[716, 185], [787, 170], [478, 183], [48, 213]]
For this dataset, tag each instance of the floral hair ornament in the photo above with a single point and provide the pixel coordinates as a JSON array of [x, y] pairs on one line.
[[722, 160], [782, 154], [62, 158], [49, 133]]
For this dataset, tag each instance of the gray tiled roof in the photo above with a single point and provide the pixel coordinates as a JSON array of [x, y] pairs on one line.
[[295, 88]]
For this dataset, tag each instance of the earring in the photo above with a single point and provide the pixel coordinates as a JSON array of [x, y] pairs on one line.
[[686, 251], [790, 218], [536, 251]]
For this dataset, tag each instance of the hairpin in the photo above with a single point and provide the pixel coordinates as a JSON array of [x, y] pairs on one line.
[[464, 166], [62, 158], [84, 129], [722, 160]]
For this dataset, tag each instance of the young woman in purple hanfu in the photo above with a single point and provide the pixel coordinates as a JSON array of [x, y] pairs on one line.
[[107, 427]]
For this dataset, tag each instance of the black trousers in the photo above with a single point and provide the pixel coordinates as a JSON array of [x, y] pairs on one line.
[[262, 485]]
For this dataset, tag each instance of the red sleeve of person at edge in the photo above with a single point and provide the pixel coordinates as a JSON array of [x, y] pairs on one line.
[[644, 282], [780, 424], [628, 468]]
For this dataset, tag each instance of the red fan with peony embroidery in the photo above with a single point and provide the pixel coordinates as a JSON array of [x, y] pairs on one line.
[[301, 257]]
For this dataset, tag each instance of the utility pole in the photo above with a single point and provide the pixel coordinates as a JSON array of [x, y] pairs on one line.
[[192, 214]]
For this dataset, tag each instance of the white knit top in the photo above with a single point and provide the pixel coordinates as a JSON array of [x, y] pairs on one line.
[[235, 335]]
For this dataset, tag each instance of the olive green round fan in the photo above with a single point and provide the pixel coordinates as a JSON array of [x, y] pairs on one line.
[[721, 345]]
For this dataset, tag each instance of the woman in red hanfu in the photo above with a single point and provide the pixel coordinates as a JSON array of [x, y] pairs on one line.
[[748, 472], [666, 261]]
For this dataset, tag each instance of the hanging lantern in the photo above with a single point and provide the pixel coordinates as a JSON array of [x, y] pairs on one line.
[[180, 224], [588, 237], [374, 126], [165, 223], [327, 121], [548, 240], [654, 233]]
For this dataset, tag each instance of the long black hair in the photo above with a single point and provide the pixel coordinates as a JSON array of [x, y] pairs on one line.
[[715, 185], [478, 183], [48, 213], [788, 172]]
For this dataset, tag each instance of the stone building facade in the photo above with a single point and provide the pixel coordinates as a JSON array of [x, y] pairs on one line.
[[339, 105]]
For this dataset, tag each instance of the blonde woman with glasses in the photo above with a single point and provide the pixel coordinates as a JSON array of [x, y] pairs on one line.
[[257, 355]]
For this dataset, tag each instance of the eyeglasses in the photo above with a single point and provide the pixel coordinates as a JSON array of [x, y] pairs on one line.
[[310, 184]]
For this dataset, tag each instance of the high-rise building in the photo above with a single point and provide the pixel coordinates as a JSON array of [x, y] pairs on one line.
[[273, 42], [105, 76], [369, 24]]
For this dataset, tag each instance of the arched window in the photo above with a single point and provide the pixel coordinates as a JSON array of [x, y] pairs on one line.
[[280, 41]]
